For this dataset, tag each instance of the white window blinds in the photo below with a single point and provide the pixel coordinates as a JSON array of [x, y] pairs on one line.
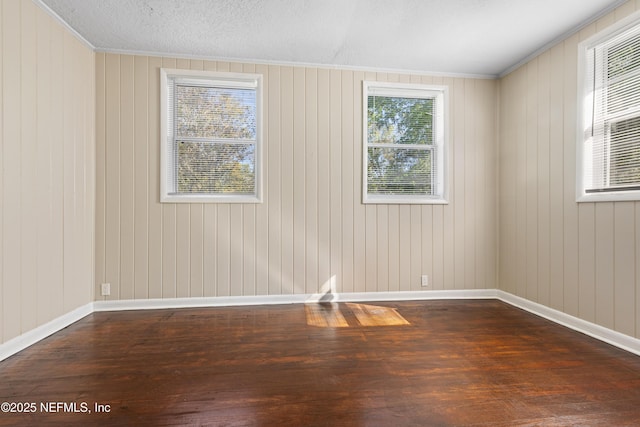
[[611, 110], [212, 137], [404, 144]]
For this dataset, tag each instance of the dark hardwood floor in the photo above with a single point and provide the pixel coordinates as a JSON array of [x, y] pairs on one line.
[[472, 363]]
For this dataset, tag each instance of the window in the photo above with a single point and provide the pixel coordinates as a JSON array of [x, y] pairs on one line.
[[609, 115], [404, 143], [211, 137]]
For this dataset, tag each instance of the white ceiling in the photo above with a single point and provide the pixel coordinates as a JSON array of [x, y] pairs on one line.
[[474, 37]]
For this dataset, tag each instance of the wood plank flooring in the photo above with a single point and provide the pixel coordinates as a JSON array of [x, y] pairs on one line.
[[456, 363]]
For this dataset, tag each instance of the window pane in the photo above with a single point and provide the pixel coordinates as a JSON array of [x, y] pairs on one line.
[[623, 57], [403, 171], [215, 168], [625, 153], [399, 120], [623, 95], [210, 112]]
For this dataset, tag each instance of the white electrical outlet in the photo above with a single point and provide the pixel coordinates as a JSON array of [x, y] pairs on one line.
[[424, 281], [106, 289]]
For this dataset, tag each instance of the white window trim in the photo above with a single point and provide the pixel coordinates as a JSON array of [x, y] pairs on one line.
[[584, 108], [230, 79], [442, 143]]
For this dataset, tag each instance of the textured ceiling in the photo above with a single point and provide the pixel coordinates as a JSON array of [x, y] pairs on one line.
[[475, 37]]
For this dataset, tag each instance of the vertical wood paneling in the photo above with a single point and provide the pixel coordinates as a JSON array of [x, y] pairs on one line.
[[47, 218], [448, 225], [287, 178], [543, 181], [112, 173], [223, 250], [506, 187], [275, 190], [531, 180], [414, 236], [236, 250], [196, 251], [311, 180], [11, 108], [485, 186], [624, 10], [389, 246], [556, 177], [324, 181], [459, 157], [624, 268], [488, 246], [127, 182], [44, 150], [86, 170], [141, 170], [29, 174], [311, 229], [68, 175], [155, 220], [359, 210], [249, 261], [335, 177], [604, 279], [299, 180], [90, 132], [57, 182], [1, 175], [587, 261], [209, 251], [349, 191], [404, 261], [571, 287], [520, 108], [471, 181], [579, 258], [85, 133], [372, 274]]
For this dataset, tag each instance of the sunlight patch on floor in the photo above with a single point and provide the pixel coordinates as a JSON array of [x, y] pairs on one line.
[[374, 315], [325, 315], [329, 315]]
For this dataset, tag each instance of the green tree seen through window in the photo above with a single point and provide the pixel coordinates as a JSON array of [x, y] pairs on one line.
[[400, 151], [215, 139]]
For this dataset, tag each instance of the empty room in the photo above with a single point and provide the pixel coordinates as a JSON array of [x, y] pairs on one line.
[[320, 212]]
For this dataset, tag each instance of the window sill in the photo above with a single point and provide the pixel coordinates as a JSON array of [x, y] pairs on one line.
[[618, 196], [401, 200], [204, 198]]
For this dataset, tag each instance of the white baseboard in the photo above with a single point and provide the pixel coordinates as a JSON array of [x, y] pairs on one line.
[[601, 333], [417, 295], [159, 303], [609, 336], [164, 303], [31, 337]]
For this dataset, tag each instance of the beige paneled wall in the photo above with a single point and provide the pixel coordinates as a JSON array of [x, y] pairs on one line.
[[577, 258], [312, 226], [47, 173]]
